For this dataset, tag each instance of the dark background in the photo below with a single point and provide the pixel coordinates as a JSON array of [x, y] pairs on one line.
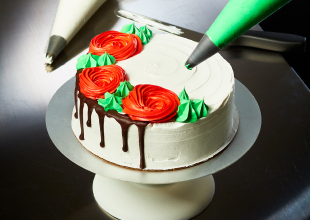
[[37, 182], [293, 18]]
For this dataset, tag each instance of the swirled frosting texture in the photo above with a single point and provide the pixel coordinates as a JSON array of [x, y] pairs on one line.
[[96, 81], [119, 45], [151, 103]]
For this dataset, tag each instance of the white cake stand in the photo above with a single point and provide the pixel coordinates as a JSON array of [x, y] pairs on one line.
[[138, 195]]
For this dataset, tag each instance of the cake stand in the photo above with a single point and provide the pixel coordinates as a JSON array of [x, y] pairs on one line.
[[132, 194]]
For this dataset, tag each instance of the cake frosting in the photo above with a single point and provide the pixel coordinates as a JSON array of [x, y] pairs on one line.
[[170, 144]]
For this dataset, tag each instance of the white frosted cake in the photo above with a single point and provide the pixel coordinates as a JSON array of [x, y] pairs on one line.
[[168, 145]]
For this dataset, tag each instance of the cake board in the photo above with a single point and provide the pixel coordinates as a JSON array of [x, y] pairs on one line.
[[130, 194]]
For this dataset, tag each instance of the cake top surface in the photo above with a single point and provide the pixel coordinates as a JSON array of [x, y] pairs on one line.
[[161, 62], [151, 65]]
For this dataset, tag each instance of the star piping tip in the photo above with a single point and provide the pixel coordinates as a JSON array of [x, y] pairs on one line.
[[189, 66], [48, 59]]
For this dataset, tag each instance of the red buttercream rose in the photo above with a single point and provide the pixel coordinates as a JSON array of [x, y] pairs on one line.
[[96, 81], [119, 45], [151, 103]]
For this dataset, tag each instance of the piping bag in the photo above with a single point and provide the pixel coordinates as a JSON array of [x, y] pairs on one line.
[[237, 17], [70, 17]]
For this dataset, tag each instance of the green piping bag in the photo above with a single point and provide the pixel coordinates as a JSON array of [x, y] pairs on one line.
[[237, 17]]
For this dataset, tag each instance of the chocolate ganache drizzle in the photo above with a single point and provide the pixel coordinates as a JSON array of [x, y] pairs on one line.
[[124, 120]]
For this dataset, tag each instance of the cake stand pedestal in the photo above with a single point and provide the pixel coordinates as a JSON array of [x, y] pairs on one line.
[[132, 194], [135, 201]]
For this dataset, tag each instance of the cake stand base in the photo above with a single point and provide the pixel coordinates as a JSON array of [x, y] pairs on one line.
[[129, 194], [135, 201]]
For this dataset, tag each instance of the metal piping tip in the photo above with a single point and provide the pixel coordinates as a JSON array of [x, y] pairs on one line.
[[49, 59], [190, 64], [55, 45], [205, 49]]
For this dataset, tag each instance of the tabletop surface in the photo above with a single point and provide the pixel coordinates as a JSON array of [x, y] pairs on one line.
[[271, 181]]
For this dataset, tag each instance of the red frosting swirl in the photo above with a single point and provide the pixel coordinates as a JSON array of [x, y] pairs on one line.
[[151, 103], [96, 81], [119, 45]]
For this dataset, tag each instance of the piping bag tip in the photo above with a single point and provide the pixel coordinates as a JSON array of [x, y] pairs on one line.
[[48, 59], [190, 64], [205, 49]]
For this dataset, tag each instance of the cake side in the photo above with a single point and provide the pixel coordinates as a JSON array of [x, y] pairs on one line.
[[165, 148]]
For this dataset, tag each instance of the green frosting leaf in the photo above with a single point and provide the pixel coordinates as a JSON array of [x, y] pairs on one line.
[[183, 95], [130, 29], [124, 89], [86, 61], [144, 38], [90, 60], [145, 34], [186, 112], [190, 111], [111, 102], [200, 107], [106, 59], [146, 31]]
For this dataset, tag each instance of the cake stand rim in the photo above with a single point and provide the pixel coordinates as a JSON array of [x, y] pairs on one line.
[[59, 111]]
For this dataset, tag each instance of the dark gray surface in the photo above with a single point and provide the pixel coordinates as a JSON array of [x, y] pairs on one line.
[[271, 181]]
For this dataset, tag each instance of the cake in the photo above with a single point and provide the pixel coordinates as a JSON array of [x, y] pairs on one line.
[[172, 133]]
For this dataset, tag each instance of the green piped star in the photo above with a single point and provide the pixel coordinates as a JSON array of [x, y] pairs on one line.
[[124, 89], [146, 31], [106, 59], [190, 111], [186, 113], [86, 61], [183, 95], [90, 60], [200, 107], [111, 102], [144, 38], [145, 34], [130, 29]]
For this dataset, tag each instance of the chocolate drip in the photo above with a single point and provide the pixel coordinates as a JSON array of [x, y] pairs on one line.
[[76, 90], [101, 123], [124, 123], [125, 136], [90, 110], [91, 105], [141, 129], [82, 101], [124, 120], [75, 100]]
